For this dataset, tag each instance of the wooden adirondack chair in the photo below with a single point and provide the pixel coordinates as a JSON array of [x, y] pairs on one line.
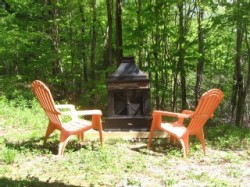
[[205, 109], [76, 126]]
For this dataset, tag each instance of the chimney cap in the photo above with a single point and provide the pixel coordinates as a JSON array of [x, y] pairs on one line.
[[127, 71]]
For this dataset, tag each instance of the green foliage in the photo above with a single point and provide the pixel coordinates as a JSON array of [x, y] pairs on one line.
[[229, 137], [9, 156], [36, 37], [22, 113]]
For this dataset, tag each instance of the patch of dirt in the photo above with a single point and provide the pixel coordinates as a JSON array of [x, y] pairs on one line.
[[2, 131]]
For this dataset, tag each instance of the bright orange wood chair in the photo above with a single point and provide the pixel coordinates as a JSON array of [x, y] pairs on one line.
[[76, 126], [205, 109]]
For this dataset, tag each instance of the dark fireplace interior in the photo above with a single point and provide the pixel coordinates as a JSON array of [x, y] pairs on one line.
[[128, 98], [129, 103]]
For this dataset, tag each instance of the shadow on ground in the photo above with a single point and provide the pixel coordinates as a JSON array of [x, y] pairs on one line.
[[33, 182], [50, 146]]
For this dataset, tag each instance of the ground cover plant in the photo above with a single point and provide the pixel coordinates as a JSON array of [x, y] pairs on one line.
[[25, 161]]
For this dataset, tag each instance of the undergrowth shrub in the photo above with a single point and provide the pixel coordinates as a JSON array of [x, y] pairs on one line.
[[228, 136], [23, 113], [9, 156]]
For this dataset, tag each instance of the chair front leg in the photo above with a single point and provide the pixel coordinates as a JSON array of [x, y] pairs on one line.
[[64, 138], [100, 135], [80, 136], [151, 136], [172, 138], [185, 144], [97, 125], [156, 123]]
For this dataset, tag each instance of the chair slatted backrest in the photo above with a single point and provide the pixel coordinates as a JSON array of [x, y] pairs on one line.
[[45, 98], [208, 103]]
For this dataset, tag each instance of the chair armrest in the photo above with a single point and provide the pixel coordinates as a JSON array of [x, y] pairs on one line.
[[88, 112], [187, 112], [66, 106], [74, 112], [173, 114]]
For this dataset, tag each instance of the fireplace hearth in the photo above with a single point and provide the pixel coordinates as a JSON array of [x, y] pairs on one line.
[[128, 98]]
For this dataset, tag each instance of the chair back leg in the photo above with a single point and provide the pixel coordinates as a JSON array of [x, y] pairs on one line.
[[201, 138]]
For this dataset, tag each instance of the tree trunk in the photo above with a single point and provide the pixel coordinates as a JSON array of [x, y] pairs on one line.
[[200, 65], [108, 46], [239, 80], [83, 58], [16, 63], [119, 53], [74, 88], [93, 43], [175, 87], [181, 53], [139, 27], [71, 42], [238, 70], [54, 35], [156, 54], [247, 87], [241, 89], [84, 75]]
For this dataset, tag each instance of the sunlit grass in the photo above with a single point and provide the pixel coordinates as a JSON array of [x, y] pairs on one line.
[[26, 161]]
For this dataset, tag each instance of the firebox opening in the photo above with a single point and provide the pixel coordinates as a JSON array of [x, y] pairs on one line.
[[129, 103]]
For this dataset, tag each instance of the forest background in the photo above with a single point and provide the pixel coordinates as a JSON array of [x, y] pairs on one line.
[[186, 47]]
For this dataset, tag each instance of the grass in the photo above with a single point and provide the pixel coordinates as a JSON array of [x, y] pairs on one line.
[[25, 161]]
